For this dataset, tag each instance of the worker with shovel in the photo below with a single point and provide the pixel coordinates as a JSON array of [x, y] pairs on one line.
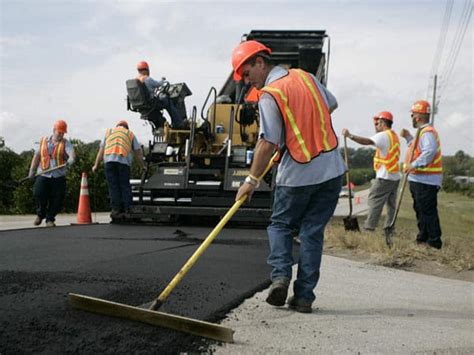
[[295, 112], [383, 190], [424, 168], [49, 166]]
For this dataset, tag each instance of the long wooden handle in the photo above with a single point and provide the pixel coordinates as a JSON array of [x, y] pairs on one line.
[[204, 245], [43, 172], [404, 180], [348, 176]]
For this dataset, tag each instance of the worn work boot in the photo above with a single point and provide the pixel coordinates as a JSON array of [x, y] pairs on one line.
[[50, 224], [299, 305], [38, 221], [278, 292]]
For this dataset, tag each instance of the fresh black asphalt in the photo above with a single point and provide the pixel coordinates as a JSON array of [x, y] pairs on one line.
[[125, 264]]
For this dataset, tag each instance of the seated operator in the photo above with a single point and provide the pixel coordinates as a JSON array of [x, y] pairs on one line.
[[163, 101]]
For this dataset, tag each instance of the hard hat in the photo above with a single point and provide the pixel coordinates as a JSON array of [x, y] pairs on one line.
[[421, 106], [385, 115], [60, 126], [243, 52], [122, 123], [142, 65]]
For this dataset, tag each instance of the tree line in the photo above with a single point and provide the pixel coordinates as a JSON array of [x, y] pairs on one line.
[[18, 198]]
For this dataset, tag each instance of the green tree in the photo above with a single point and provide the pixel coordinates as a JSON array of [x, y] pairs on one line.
[[23, 201], [8, 161]]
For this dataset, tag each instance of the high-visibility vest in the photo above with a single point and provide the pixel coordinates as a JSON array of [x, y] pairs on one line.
[[58, 154], [253, 95], [435, 166], [308, 127], [118, 141], [390, 161]]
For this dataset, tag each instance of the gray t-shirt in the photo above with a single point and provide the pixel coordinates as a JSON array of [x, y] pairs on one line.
[[324, 167]]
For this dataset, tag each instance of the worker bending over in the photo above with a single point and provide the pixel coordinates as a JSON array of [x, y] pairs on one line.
[[115, 150], [294, 112], [49, 189], [384, 188], [425, 174]]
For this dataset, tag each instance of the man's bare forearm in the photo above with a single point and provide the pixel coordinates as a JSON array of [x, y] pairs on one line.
[[262, 155], [361, 140]]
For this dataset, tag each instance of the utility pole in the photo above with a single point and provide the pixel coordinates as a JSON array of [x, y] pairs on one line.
[[433, 103]]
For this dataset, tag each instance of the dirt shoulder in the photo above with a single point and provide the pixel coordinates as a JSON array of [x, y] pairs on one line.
[[427, 267]]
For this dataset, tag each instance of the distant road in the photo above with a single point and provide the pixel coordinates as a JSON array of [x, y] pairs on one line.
[[359, 204]]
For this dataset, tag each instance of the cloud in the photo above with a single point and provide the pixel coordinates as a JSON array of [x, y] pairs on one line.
[[16, 41], [381, 54]]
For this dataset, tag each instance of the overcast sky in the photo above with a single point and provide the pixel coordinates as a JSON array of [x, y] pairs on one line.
[[70, 59]]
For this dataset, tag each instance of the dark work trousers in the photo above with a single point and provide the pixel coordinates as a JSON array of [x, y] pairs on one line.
[[49, 196], [425, 204], [118, 181]]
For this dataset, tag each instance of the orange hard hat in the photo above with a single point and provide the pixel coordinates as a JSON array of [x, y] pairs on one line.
[[421, 106], [122, 123], [243, 52], [142, 65], [385, 115], [60, 126]]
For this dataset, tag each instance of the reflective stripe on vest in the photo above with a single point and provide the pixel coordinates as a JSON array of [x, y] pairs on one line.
[[118, 141], [390, 161], [308, 128], [58, 154], [435, 166]]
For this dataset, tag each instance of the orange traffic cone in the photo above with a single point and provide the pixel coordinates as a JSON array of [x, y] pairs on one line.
[[84, 210], [357, 201]]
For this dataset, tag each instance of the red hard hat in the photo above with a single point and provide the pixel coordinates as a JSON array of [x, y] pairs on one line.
[[385, 115], [243, 52], [122, 123], [60, 126], [142, 65], [421, 106]]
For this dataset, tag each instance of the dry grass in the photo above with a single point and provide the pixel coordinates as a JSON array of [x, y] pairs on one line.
[[457, 221]]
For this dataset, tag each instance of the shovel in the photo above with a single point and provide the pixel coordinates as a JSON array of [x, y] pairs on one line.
[[350, 223], [21, 181], [389, 230]]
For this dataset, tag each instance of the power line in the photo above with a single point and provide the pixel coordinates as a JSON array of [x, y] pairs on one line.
[[456, 46], [441, 41]]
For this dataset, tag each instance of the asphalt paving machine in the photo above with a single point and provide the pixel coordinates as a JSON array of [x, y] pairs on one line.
[[197, 170]]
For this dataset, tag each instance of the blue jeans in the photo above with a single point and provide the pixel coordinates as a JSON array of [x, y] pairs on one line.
[[118, 181], [307, 208], [166, 103]]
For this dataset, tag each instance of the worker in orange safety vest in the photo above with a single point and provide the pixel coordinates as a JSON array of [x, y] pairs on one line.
[[49, 189], [425, 174], [116, 151], [295, 112], [383, 190]]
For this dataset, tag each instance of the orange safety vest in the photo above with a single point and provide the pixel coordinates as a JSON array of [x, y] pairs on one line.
[[118, 141], [390, 161], [435, 166], [308, 127], [58, 154], [253, 95]]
